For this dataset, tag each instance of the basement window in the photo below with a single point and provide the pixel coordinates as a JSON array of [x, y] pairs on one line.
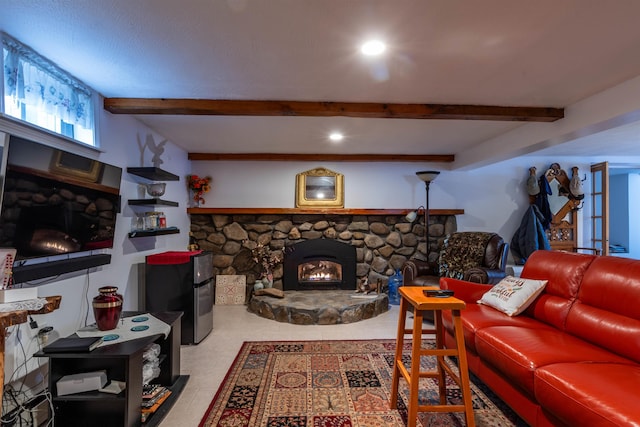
[[37, 92]]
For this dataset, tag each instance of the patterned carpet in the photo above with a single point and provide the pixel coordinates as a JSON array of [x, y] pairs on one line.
[[333, 384]]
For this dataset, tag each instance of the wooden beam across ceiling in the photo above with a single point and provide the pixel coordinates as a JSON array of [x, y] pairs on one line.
[[272, 157], [216, 107]]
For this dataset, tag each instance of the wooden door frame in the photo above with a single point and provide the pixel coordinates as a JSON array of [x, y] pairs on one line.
[[604, 193]]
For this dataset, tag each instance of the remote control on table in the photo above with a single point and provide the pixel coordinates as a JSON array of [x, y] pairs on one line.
[[439, 293]]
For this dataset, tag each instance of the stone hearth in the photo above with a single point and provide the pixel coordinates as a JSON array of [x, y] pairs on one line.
[[325, 307]]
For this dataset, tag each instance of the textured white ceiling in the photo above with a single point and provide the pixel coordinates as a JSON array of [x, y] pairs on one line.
[[494, 52]]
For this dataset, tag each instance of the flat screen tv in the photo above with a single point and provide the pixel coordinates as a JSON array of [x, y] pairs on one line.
[[55, 202]]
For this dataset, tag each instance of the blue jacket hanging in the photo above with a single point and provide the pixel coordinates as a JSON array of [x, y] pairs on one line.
[[530, 236], [542, 202]]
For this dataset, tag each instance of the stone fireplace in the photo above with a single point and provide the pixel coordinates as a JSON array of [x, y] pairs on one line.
[[319, 264], [382, 242], [377, 242]]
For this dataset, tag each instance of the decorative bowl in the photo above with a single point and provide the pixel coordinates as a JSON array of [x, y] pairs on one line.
[[156, 189]]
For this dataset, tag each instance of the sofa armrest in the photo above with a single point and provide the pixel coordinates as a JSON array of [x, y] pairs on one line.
[[484, 275], [415, 268], [466, 291]]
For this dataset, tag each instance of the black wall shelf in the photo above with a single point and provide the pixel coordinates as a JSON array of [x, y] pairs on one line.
[[157, 174], [26, 273], [153, 173], [152, 202], [157, 232]]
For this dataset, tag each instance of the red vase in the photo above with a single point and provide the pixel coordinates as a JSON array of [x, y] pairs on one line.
[[107, 307]]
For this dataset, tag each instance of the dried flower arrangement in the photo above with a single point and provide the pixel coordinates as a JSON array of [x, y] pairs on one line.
[[267, 258], [199, 186]]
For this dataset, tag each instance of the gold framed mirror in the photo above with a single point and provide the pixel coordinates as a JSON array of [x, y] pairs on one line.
[[319, 187]]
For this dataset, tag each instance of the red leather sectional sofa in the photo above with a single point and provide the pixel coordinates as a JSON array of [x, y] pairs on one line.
[[573, 357]]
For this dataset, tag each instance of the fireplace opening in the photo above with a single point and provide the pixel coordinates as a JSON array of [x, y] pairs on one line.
[[325, 271], [319, 264]]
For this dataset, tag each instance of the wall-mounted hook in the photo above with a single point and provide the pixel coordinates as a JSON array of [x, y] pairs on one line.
[[575, 186]]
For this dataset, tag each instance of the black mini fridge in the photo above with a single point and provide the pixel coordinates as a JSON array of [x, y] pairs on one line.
[[182, 281]]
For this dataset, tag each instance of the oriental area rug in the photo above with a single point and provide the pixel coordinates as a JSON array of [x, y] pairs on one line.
[[335, 384]]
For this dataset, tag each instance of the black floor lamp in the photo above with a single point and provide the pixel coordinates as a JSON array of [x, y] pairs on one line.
[[427, 177]]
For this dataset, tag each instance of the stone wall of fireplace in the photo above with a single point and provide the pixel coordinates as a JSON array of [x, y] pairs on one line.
[[383, 242]]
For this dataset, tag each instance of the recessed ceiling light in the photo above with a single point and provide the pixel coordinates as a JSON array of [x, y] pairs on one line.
[[336, 136], [373, 47]]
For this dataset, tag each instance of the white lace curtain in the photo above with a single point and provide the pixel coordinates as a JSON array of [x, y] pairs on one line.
[[32, 80]]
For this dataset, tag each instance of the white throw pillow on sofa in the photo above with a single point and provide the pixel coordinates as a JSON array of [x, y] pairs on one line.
[[512, 295]]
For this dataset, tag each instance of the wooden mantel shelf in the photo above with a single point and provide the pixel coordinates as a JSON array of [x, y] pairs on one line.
[[315, 211]]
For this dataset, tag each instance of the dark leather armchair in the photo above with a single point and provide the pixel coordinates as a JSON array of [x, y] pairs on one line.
[[486, 262]]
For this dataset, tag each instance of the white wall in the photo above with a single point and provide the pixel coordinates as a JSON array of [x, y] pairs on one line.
[[272, 184], [119, 135]]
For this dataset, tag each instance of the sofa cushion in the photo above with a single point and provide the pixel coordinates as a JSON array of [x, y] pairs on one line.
[[517, 352], [475, 317], [590, 394], [563, 272], [512, 295], [607, 311]]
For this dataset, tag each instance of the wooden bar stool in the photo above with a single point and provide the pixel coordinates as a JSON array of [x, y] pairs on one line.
[[414, 296]]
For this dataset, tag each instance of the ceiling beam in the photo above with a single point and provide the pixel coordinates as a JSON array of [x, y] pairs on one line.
[[216, 107], [272, 157]]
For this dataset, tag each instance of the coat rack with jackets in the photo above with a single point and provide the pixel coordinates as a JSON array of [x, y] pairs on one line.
[[551, 221]]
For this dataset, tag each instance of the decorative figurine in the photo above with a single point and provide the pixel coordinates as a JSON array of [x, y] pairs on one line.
[[364, 286], [156, 149], [193, 243]]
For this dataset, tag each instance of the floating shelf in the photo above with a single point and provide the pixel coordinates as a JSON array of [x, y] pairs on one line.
[[153, 173], [152, 202], [157, 232]]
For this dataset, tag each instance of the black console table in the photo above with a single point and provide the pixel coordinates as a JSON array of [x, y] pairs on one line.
[[123, 362]]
